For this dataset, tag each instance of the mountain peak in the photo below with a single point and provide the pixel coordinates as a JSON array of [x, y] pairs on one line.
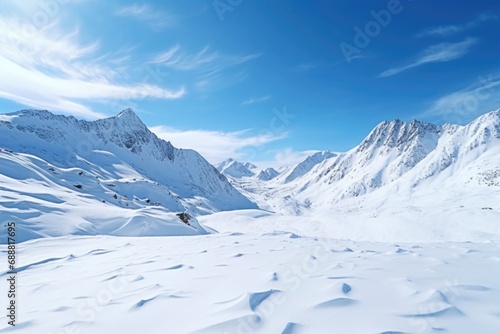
[[128, 114], [129, 119], [397, 133], [267, 174], [235, 168]]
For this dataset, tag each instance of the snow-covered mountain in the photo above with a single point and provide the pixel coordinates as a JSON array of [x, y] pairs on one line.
[[236, 169], [414, 171], [408, 155], [60, 175], [267, 174]]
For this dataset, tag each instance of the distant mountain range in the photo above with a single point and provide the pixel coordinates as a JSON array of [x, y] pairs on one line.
[[236, 169], [418, 169], [60, 175]]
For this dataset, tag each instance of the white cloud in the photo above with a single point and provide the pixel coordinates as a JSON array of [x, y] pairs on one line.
[[436, 53], [207, 66], [465, 104], [286, 157], [204, 59], [216, 146], [165, 56], [454, 29], [257, 100], [53, 70], [156, 19], [184, 62], [442, 30]]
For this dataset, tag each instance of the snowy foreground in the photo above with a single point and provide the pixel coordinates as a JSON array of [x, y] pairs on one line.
[[272, 282]]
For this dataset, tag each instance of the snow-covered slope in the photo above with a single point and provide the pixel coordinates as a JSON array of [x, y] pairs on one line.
[[60, 175], [236, 169], [308, 164]]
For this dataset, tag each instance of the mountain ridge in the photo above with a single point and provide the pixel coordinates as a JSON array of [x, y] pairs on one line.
[[117, 163]]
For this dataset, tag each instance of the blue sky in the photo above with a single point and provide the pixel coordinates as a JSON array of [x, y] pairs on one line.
[[267, 81]]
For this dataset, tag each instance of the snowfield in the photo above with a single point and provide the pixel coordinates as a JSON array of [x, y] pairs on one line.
[[237, 283]]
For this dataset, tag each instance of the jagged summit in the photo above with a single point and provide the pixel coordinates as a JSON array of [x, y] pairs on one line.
[[127, 120], [236, 169], [41, 114], [402, 135], [267, 174], [128, 115], [405, 154], [128, 112]]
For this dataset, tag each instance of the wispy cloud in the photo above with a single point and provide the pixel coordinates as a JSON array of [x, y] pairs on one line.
[[55, 71], [206, 64], [257, 100], [436, 53], [182, 61], [205, 59], [216, 146], [464, 104], [454, 29], [156, 19]]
